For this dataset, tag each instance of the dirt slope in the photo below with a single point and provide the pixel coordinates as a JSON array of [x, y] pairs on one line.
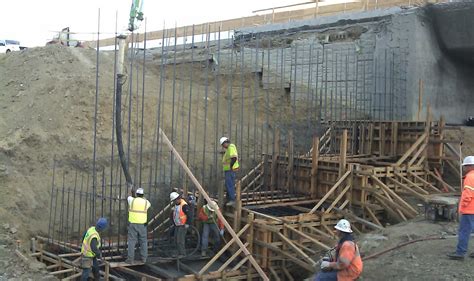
[[46, 112]]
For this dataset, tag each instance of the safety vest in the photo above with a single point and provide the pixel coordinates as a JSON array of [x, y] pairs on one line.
[[466, 204], [349, 254], [86, 242], [137, 210], [179, 217], [230, 152], [211, 216]]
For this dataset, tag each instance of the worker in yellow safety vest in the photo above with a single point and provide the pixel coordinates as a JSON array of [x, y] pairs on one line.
[[137, 225], [179, 216], [90, 250], [230, 164]]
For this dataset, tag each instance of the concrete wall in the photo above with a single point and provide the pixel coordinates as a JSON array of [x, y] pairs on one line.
[[359, 65], [406, 46], [448, 80]]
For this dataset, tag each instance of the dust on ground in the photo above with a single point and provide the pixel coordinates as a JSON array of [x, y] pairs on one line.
[[425, 260]]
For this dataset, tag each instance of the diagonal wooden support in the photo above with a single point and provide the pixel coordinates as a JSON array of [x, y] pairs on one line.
[[296, 249], [417, 154], [307, 236], [411, 183], [407, 189], [330, 192], [227, 246], [373, 216], [232, 258], [165, 209], [274, 274], [435, 189], [438, 178], [203, 192], [407, 154], [290, 257], [396, 197], [338, 198], [391, 207]]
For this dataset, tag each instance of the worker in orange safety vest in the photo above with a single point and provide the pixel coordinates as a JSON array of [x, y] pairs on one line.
[[179, 216], [347, 264], [466, 211]]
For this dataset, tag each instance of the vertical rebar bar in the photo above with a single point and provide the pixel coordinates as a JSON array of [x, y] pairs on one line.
[[74, 203], [173, 104], [206, 98], [79, 217], [143, 107], [191, 70], [160, 114], [96, 107], [218, 87], [112, 145], [51, 223], [61, 219], [242, 94]]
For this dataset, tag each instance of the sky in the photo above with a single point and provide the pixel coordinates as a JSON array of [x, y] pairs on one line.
[[34, 22]]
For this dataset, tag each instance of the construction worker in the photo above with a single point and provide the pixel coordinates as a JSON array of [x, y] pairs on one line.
[[230, 164], [179, 217], [90, 250], [347, 264], [466, 211], [192, 209], [137, 225], [210, 224]]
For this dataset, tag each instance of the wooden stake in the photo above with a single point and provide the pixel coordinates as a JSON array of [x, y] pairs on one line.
[[314, 167], [276, 152], [343, 153], [420, 98], [289, 178]]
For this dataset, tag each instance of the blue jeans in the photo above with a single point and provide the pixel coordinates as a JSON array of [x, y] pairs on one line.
[[230, 184], [87, 270], [210, 227], [466, 226], [326, 276]]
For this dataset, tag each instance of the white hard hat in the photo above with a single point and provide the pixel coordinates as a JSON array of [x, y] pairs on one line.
[[223, 140], [139, 191], [212, 206], [344, 226], [468, 161], [174, 196]]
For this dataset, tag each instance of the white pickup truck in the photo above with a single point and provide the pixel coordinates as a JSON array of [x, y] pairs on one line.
[[7, 46]]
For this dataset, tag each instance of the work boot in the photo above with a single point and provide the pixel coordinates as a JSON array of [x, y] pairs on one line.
[[203, 253], [471, 255], [129, 261], [455, 256], [230, 203]]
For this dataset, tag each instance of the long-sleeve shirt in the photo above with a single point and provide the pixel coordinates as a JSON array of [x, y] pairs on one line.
[[94, 247], [209, 217]]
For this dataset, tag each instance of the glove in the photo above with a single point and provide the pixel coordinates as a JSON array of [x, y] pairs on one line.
[[186, 226], [325, 264], [221, 232]]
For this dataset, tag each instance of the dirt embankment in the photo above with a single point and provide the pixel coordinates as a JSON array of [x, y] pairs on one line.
[[46, 112], [424, 261]]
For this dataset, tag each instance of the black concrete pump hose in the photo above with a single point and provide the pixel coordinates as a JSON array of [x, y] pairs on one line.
[[118, 130]]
